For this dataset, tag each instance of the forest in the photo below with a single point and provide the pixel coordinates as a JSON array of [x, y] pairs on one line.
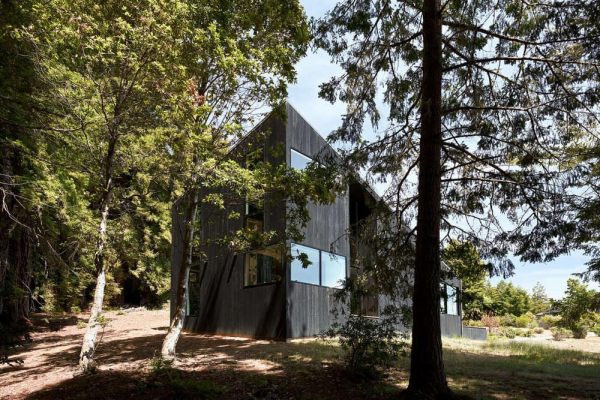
[[480, 119]]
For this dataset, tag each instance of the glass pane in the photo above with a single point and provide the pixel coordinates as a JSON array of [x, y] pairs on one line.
[[263, 266], [443, 298], [299, 160], [193, 298], [334, 270], [301, 273], [452, 302]]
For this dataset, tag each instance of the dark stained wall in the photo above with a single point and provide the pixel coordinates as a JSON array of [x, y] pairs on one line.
[[309, 306]]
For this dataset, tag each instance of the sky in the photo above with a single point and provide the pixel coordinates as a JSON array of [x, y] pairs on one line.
[[316, 68]]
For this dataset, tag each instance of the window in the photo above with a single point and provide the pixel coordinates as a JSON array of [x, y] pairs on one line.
[[305, 273], [333, 272], [193, 295], [448, 299], [263, 266], [299, 160]]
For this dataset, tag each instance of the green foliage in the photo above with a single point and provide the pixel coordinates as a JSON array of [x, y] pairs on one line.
[[576, 308], [526, 320], [466, 264], [539, 301], [579, 331], [506, 299], [559, 333], [549, 321], [368, 343], [507, 332], [160, 365]]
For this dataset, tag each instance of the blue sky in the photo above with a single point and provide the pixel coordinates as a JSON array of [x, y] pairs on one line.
[[316, 68]]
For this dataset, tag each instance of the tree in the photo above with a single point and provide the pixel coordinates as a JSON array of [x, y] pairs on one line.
[[481, 99], [505, 299], [466, 264], [109, 68], [243, 56], [539, 299], [579, 302]]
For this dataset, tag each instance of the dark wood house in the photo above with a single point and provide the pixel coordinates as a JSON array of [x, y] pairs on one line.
[[260, 293]]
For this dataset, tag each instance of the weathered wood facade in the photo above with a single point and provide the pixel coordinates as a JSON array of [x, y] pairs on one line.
[[223, 302]]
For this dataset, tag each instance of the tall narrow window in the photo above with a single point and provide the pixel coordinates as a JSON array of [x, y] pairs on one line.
[[333, 270], [306, 265], [298, 160], [193, 295], [263, 266]]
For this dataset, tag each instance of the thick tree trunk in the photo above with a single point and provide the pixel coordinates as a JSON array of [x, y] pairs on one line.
[[170, 342], [86, 356], [427, 377]]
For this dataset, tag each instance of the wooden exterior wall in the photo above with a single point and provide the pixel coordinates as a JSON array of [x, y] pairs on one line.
[[309, 306]]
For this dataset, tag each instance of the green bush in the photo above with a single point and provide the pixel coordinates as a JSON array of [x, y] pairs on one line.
[[367, 343], [596, 329], [474, 323], [549, 321], [560, 333], [526, 320], [507, 332], [507, 320], [579, 331], [538, 330]]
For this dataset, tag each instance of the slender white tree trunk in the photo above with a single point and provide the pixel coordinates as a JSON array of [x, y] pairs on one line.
[[170, 342], [86, 361]]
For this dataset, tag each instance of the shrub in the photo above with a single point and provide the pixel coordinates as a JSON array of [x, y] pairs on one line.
[[596, 329], [579, 331], [507, 332], [538, 330], [159, 364], [549, 321], [559, 333], [490, 322], [508, 320], [526, 320], [477, 324], [367, 343]]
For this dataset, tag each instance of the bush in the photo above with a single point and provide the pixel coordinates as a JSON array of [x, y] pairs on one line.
[[507, 332], [508, 320], [490, 322], [549, 321], [367, 343], [579, 331], [560, 333], [526, 321], [538, 330], [474, 323], [596, 329]]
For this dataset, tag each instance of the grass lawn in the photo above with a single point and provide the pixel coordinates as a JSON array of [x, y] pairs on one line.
[[214, 367]]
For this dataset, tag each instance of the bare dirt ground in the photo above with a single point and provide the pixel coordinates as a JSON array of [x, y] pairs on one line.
[[217, 367]]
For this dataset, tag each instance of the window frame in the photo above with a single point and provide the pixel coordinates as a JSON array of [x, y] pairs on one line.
[[320, 251], [294, 150], [281, 262]]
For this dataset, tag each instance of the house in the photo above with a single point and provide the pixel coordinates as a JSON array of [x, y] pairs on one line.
[[260, 293]]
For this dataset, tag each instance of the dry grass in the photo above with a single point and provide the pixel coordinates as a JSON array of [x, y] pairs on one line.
[[213, 367]]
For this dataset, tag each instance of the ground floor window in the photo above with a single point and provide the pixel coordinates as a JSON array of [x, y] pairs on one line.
[[317, 267], [263, 266], [193, 295], [448, 299]]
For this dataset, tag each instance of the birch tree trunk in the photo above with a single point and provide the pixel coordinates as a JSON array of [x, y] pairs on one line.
[[170, 341], [86, 356]]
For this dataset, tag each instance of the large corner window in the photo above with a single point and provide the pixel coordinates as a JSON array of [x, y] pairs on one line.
[[306, 264], [317, 267], [333, 270], [263, 266], [193, 295], [448, 299], [298, 160]]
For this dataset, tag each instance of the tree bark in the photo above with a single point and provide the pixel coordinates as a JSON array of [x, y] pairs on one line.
[[427, 376], [170, 341], [86, 356]]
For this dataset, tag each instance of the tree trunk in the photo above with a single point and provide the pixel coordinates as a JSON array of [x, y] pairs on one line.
[[170, 342], [86, 361], [427, 376], [86, 357]]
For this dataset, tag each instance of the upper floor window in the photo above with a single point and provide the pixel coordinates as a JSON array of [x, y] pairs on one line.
[[298, 160]]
